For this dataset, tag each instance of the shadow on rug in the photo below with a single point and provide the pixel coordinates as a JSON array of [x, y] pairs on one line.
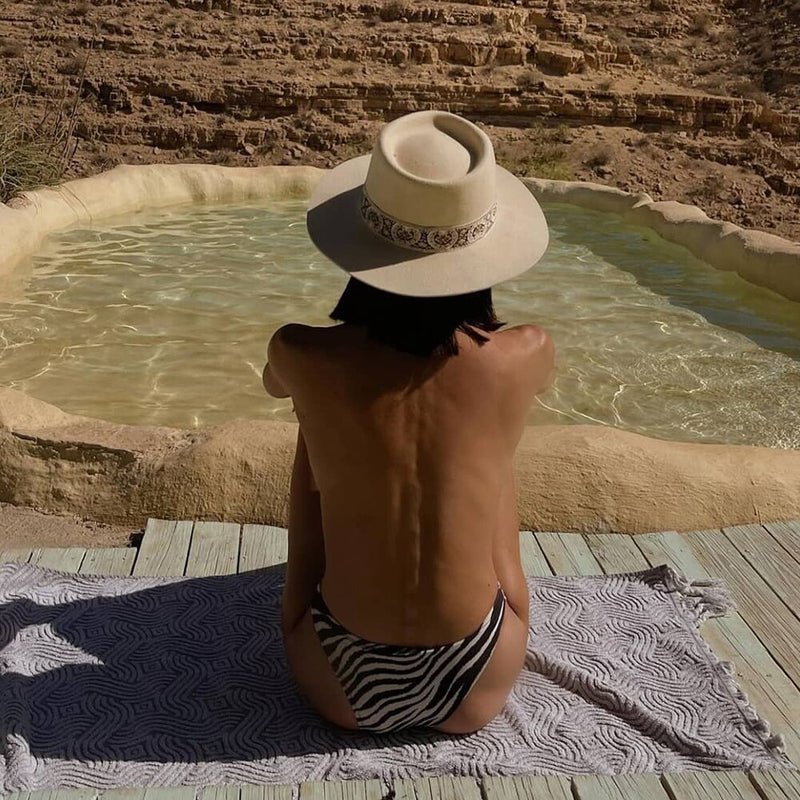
[[120, 681]]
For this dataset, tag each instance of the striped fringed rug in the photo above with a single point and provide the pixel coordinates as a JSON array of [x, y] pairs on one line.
[[119, 681]]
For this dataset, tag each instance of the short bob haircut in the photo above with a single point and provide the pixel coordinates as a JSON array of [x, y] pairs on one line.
[[422, 326]]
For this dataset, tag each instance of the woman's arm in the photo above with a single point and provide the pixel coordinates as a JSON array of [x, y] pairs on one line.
[[306, 562], [272, 384]]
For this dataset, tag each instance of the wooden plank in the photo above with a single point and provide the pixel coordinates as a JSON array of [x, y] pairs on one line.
[[619, 787], [447, 787], [768, 688], [787, 534], [65, 559], [15, 554], [214, 549], [64, 794], [616, 552], [567, 553], [769, 559], [109, 561], [763, 610], [341, 790], [263, 546], [217, 793], [711, 786], [528, 787], [266, 793], [164, 548], [778, 784], [533, 560], [170, 793], [164, 793]]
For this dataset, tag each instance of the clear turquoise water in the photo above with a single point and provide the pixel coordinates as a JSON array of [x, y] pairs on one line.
[[163, 318]]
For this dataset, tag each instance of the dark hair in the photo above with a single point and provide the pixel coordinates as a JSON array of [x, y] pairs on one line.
[[422, 326]]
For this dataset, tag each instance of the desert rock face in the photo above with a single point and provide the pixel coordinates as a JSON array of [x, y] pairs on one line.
[[689, 100]]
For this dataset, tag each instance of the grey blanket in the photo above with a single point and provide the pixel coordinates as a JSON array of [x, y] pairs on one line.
[[118, 681]]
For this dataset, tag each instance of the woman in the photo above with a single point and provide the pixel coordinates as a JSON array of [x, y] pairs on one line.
[[405, 604]]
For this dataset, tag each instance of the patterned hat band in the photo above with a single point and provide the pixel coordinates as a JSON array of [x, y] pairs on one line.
[[417, 237]]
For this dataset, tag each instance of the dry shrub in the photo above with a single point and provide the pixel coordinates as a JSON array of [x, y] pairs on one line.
[[710, 67], [36, 147], [600, 156], [618, 36], [701, 24], [711, 187], [231, 60], [752, 91], [532, 77], [542, 154], [75, 65], [10, 49], [672, 57]]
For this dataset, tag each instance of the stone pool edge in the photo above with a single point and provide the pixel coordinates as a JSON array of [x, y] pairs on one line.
[[586, 478], [580, 478], [759, 257]]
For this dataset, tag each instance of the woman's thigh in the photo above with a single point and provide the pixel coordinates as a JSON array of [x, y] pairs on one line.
[[489, 694], [314, 675]]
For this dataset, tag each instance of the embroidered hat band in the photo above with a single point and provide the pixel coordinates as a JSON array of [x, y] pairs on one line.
[[418, 237]]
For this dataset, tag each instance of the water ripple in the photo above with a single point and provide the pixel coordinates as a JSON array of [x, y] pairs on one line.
[[172, 304]]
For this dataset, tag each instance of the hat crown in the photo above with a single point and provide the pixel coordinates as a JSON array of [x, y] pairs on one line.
[[432, 168], [432, 155]]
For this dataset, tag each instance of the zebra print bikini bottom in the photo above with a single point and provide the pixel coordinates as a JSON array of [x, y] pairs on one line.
[[391, 687]]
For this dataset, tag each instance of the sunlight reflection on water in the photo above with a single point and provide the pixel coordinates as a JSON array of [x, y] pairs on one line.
[[164, 319]]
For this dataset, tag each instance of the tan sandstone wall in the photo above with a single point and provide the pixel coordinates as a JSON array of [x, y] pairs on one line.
[[569, 478]]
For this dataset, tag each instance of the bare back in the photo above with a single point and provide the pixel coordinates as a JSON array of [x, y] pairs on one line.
[[413, 459]]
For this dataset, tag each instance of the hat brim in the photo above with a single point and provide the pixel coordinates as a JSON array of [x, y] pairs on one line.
[[516, 241]]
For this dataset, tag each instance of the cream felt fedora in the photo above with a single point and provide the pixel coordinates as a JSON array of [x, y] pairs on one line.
[[428, 213]]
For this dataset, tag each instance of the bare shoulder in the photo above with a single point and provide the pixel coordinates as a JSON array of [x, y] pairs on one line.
[[529, 340], [292, 334], [293, 338]]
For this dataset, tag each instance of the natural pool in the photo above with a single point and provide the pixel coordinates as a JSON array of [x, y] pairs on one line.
[[162, 318]]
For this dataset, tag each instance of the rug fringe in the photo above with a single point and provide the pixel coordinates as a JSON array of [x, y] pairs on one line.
[[774, 742], [709, 597], [706, 597]]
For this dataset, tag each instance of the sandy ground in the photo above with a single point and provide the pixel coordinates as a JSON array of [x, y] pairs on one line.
[[27, 527]]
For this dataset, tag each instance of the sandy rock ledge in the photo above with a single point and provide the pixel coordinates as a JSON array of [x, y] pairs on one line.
[[569, 478]]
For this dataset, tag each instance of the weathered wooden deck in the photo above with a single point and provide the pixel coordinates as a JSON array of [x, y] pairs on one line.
[[760, 563]]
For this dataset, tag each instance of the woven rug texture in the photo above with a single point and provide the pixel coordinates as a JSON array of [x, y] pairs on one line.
[[121, 681]]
